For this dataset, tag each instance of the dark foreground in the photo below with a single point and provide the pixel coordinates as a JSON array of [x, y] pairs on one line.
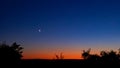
[[40, 63], [67, 63]]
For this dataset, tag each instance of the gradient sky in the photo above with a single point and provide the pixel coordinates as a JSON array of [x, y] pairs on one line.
[[67, 26]]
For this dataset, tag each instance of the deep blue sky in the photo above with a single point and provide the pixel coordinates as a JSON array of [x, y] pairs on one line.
[[63, 23]]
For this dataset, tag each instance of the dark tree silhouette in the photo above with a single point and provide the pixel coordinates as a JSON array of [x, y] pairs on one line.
[[86, 54], [10, 54], [110, 56], [118, 54], [105, 57], [94, 57]]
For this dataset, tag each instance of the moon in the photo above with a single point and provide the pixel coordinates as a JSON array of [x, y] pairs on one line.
[[39, 30]]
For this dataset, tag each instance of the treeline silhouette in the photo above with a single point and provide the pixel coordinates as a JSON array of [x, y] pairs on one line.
[[12, 54], [105, 57]]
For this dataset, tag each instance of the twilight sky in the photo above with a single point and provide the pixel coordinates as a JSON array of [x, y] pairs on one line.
[[48, 27]]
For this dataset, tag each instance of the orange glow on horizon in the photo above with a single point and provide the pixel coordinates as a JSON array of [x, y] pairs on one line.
[[50, 57], [68, 53]]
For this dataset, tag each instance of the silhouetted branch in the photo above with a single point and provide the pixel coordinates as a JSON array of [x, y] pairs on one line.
[[59, 56]]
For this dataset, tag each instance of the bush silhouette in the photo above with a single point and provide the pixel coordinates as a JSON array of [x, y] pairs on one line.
[[105, 57], [110, 56], [10, 54], [86, 54]]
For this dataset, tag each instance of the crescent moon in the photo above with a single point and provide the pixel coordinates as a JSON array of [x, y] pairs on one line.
[[39, 30]]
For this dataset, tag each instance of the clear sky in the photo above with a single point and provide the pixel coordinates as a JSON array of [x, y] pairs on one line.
[[48, 27]]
